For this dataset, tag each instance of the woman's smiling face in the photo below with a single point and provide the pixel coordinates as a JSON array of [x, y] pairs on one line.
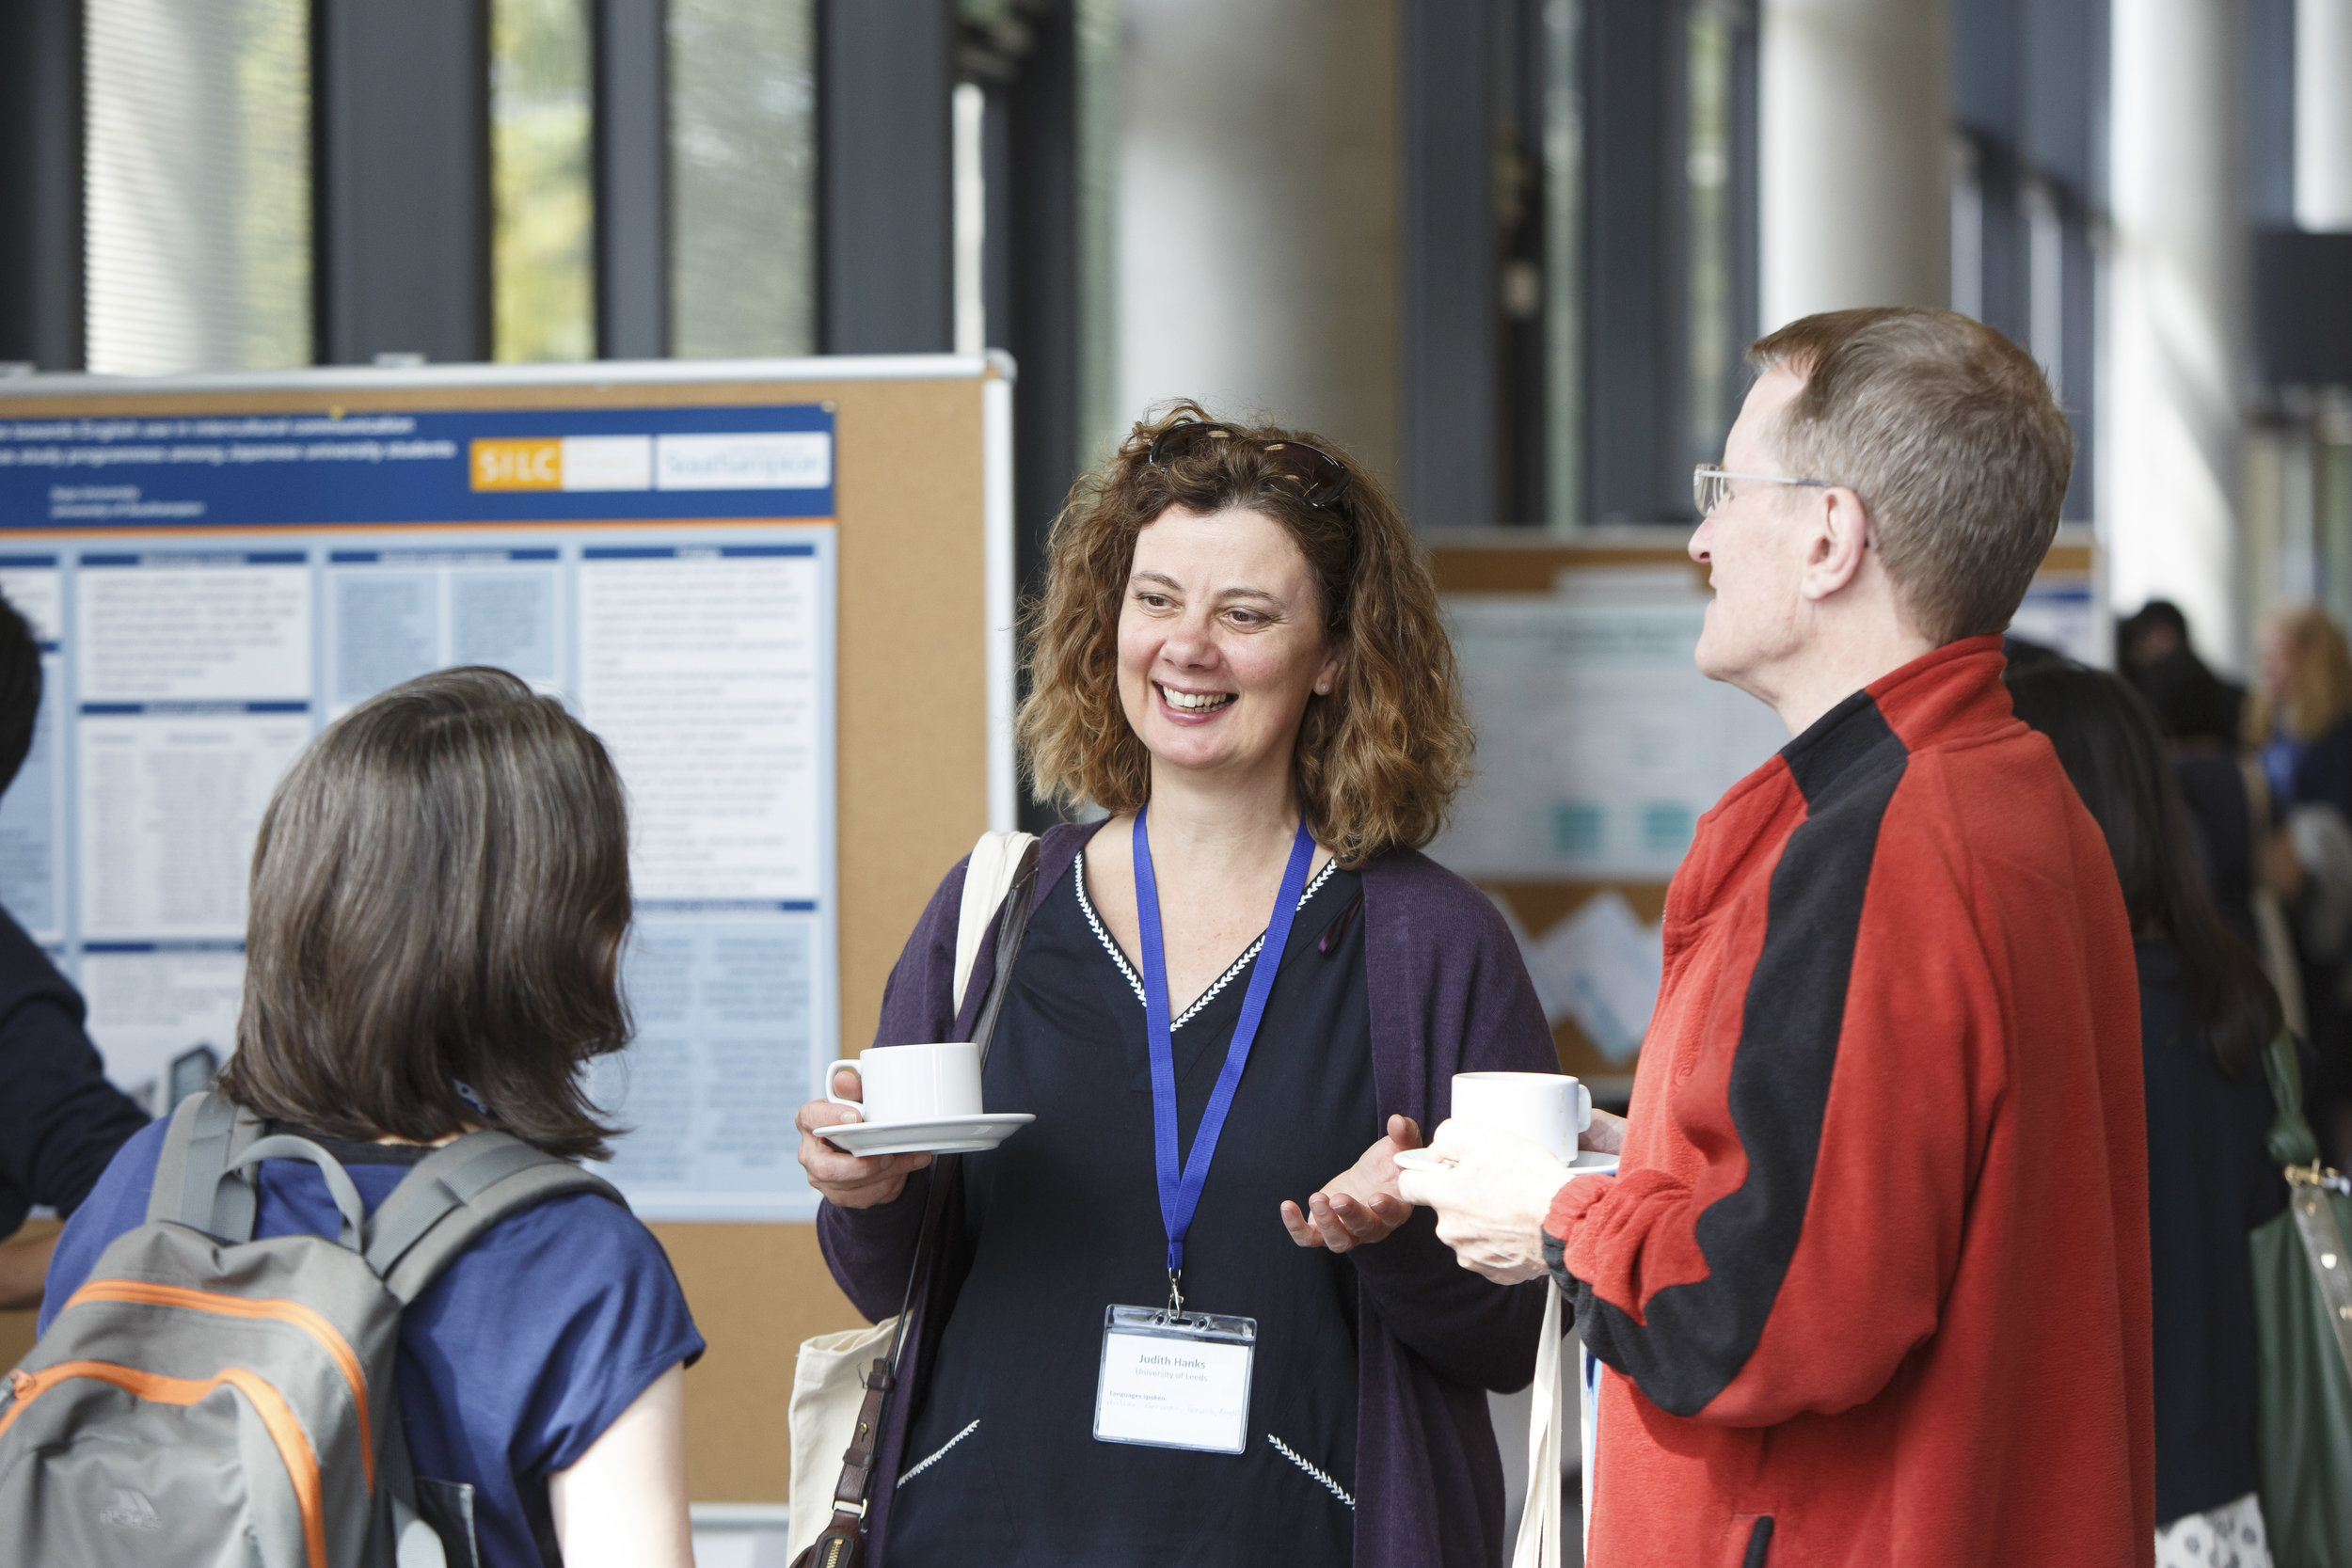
[[1220, 641]]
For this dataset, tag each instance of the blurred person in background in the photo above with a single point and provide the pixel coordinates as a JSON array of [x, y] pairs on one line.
[[2206, 1011], [2203, 718], [2154, 651], [60, 1120], [2301, 726]]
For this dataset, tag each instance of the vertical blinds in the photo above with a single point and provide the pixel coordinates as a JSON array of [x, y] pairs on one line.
[[742, 177], [543, 198], [197, 183]]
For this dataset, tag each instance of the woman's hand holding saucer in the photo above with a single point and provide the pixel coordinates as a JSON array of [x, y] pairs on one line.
[[1606, 1136], [849, 1180], [1360, 1205]]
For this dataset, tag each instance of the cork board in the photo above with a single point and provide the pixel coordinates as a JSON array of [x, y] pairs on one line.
[[1516, 564], [912, 484]]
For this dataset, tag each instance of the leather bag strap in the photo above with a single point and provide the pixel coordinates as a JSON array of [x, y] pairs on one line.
[[844, 1535]]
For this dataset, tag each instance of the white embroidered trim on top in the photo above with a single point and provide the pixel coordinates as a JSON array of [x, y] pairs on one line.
[[1136, 981], [1292, 1456], [943, 1453]]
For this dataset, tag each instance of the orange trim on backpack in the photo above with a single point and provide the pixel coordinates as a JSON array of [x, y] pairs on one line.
[[278, 1418], [270, 1308]]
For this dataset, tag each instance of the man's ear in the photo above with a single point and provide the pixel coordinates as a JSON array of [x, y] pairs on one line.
[[1838, 540]]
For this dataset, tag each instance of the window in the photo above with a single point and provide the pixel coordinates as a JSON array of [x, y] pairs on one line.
[[1650, 249], [543, 202], [743, 178], [197, 184], [1564, 257], [2029, 83], [1715, 333]]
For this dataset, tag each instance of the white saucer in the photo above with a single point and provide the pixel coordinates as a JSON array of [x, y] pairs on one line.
[[1588, 1161], [940, 1135]]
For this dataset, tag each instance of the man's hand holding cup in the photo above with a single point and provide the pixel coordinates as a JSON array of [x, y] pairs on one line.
[[1494, 1168]]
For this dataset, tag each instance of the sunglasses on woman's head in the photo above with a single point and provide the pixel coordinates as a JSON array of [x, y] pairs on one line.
[[1321, 477]]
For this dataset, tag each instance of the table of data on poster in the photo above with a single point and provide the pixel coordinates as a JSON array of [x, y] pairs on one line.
[[209, 592]]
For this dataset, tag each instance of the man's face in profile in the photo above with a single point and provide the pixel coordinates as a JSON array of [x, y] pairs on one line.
[[1754, 545]]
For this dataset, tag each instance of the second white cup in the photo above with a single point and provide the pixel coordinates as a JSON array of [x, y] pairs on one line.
[[1544, 1108], [913, 1083]]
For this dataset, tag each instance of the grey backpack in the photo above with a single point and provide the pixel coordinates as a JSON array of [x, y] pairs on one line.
[[208, 1400]]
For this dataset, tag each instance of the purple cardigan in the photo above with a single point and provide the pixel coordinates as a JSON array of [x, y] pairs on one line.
[[1447, 994]]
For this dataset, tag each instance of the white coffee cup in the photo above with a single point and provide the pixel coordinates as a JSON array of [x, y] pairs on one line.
[[1549, 1109], [913, 1083]]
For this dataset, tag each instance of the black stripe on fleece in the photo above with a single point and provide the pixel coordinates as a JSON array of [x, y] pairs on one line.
[[1699, 1335]]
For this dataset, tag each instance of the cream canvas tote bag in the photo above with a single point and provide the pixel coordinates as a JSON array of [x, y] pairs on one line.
[[826, 1393]]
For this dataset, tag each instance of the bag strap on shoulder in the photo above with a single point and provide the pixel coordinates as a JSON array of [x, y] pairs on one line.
[[1012, 908], [197, 1180], [456, 1193], [1000, 882], [997, 861]]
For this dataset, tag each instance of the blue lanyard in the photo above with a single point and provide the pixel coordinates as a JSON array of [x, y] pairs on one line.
[[1180, 1194]]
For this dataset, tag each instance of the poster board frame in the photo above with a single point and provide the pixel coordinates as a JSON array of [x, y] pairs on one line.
[[924, 531]]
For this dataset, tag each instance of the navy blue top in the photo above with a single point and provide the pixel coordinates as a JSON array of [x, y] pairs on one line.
[[2303, 772], [2210, 1180], [60, 1120], [512, 1363], [1002, 1465], [1446, 992]]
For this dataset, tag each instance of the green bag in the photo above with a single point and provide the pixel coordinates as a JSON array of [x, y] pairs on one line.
[[2303, 1325]]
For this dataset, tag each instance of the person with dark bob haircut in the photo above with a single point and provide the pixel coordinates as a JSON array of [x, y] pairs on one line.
[[1238, 655], [2206, 1012], [438, 900]]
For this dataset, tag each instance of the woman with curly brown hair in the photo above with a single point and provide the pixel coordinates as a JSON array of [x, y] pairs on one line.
[[1239, 657]]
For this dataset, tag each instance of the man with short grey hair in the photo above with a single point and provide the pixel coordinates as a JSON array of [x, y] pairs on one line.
[[1870, 1284]]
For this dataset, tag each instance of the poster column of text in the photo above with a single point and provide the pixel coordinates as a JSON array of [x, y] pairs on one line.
[[193, 677], [700, 669]]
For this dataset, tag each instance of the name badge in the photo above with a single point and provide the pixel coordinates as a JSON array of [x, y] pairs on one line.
[[1175, 1379]]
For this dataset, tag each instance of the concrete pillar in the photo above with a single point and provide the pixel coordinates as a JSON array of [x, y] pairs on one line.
[[1260, 201], [2323, 115], [2170, 424], [1853, 111]]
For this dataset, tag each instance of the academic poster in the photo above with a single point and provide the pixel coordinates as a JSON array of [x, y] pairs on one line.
[[211, 591]]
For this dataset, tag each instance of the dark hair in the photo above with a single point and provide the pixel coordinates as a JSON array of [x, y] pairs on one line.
[[20, 692], [2156, 614], [1377, 761], [1947, 432], [2190, 701], [2106, 740], [441, 890]]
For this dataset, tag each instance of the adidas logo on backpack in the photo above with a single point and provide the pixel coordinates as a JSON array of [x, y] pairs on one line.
[[206, 1389], [131, 1509]]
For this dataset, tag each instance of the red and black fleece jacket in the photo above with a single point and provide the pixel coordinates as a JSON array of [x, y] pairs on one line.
[[1872, 1284]]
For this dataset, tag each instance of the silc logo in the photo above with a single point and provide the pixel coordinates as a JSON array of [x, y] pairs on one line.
[[524, 465]]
